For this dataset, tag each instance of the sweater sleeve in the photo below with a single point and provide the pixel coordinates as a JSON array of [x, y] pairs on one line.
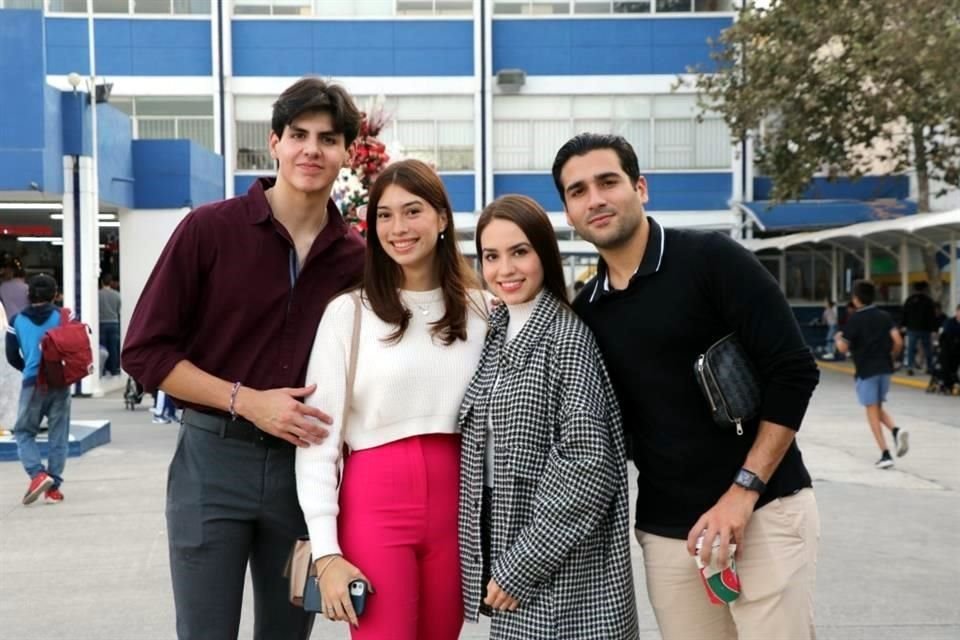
[[585, 468], [317, 466], [753, 306], [12, 345]]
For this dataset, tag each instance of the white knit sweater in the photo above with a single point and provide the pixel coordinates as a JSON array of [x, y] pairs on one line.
[[413, 387]]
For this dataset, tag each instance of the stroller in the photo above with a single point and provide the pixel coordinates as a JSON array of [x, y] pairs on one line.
[[132, 394]]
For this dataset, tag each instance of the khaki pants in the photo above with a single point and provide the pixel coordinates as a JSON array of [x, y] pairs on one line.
[[777, 574]]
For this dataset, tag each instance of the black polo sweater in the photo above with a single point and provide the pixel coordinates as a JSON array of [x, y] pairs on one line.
[[691, 289]]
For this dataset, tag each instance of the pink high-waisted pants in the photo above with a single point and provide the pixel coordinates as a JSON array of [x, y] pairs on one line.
[[398, 525]]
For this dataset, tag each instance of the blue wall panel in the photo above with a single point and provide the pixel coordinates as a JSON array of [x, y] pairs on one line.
[[115, 156], [130, 47], [866, 188], [605, 47], [329, 48], [668, 191], [53, 140], [461, 188], [175, 173], [23, 99], [538, 186], [206, 175]]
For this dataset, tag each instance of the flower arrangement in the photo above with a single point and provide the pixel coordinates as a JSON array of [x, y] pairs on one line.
[[368, 157]]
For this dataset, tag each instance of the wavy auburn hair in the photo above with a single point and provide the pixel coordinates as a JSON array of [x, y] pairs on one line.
[[383, 278]]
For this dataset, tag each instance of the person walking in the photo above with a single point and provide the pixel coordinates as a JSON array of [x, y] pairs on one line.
[[38, 401], [873, 339]]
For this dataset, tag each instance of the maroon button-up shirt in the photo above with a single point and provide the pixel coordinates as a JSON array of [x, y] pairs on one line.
[[226, 295]]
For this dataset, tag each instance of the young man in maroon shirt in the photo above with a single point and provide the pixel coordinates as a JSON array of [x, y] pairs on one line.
[[224, 325]]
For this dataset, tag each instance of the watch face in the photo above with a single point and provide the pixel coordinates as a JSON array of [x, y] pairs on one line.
[[748, 480]]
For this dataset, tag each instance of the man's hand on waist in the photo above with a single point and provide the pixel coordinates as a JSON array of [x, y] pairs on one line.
[[728, 519], [280, 413]]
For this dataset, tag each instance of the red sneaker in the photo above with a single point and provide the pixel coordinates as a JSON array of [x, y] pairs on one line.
[[53, 496], [40, 483]]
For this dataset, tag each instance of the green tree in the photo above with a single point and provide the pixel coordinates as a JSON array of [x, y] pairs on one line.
[[847, 87]]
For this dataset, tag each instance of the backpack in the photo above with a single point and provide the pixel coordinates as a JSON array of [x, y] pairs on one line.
[[65, 354]]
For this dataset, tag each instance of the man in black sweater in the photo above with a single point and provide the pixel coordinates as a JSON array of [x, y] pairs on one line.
[[660, 298]]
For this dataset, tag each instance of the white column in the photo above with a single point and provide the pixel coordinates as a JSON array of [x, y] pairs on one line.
[[69, 236], [783, 271], [954, 274], [227, 111], [89, 234], [834, 275], [904, 270], [479, 46], [867, 260], [488, 99]]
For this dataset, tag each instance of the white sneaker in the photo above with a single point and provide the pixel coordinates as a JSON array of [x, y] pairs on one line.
[[902, 441]]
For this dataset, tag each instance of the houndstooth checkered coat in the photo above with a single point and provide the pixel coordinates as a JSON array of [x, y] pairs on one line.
[[560, 520]]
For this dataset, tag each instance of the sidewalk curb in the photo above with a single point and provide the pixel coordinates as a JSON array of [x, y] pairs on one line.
[[842, 368]]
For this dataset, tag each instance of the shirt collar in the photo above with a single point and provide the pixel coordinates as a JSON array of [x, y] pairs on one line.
[[650, 264], [259, 211]]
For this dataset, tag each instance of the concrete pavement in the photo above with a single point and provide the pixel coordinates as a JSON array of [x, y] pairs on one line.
[[95, 566]]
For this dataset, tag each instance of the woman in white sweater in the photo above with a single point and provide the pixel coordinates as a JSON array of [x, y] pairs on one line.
[[392, 521]]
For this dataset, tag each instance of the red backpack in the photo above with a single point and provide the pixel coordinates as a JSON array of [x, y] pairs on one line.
[[65, 354]]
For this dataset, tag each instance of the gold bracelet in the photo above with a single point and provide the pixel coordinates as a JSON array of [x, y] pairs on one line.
[[332, 558]]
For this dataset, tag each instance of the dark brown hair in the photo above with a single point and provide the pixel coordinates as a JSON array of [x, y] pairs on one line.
[[311, 95], [527, 214], [584, 143], [382, 277]]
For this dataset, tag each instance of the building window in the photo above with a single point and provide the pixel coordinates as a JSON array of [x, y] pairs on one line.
[[170, 117], [600, 7], [663, 130], [353, 8], [160, 7], [436, 129], [21, 4]]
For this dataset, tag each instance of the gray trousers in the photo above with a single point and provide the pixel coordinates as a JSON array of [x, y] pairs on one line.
[[230, 502]]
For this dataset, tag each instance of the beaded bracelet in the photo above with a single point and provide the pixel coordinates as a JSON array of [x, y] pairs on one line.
[[233, 400]]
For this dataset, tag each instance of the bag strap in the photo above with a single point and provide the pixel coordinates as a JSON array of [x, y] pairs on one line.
[[64, 316], [352, 365]]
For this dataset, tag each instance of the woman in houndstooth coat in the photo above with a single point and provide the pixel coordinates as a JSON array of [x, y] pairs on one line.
[[543, 517]]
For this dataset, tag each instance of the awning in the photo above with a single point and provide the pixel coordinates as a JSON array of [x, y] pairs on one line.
[[819, 214], [931, 229]]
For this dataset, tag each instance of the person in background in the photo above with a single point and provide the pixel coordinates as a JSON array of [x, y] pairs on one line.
[[24, 334], [544, 497], [109, 324], [875, 342], [829, 318], [919, 319], [14, 292]]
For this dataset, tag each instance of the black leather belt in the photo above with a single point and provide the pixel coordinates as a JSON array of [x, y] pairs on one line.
[[227, 427]]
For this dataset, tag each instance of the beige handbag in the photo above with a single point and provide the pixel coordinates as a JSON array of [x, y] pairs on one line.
[[300, 566]]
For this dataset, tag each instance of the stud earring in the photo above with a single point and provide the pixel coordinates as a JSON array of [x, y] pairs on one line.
[[441, 236]]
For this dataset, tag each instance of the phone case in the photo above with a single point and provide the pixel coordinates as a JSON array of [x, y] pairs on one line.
[[311, 595], [358, 596]]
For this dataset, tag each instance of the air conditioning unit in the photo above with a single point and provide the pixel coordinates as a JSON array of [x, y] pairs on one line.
[[511, 80]]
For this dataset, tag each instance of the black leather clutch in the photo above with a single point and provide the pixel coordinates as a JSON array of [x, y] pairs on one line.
[[729, 382]]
